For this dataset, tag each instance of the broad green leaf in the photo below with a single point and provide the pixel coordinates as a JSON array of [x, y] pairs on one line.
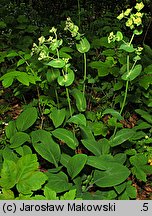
[[120, 188], [32, 182], [139, 173], [18, 139], [7, 82], [93, 146], [66, 136], [23, 150], [119, 36], [76, 164], [50, 194], [70, 195], [12, 74], [148, 69], [145, 115], [121, 136], [112, 112], [127, 48], [86, 132], [23, 78], [83, 46], [56, 63], [100, 162], [114, 174], [65, 159], [20, 62], [80, 100], [105, 146], [10, 129], [8, 174], [45, 146], [132, 73], [12, 53], [145, 81], [7, 195], [139, 159], [120, 158], [142, 125], [9, 154], [123, 196], [58, 182], [99, 128], [118, 85], [138, 135], [67, 79], [96, 64], [109, 52], [52, 74], [131, 190], [78, 119], [57, 116], [26, 119], [28, 177]]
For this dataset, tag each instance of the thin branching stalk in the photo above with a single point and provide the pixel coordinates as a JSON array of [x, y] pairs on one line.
[[69, 102], [85, 72]]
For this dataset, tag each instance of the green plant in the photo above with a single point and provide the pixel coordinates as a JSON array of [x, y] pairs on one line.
[[72, 141]]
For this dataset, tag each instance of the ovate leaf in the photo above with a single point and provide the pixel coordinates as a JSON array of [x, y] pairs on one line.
[[121, 136], [7, 82], [56, 63], [93, 146], [76, 164], [67, 79], [66, 136], [58, 182], [58, 116], [145, 115], [52, 75], [83, 46], [132, 74], [80, 100], [45, 146], [10, 129], [70, 195], [18, 139], [26, 119], [23, 78], [139, 173], [8, 174], [112, 112], [114, 174], [78, 119], [127, 48], [50, 194]]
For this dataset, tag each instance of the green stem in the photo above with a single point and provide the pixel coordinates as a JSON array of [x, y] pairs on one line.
[[57, 98], [131, 39], [85, 72], [57, 52], [125, 96], [79, 18], [68, 99], [124, 101]]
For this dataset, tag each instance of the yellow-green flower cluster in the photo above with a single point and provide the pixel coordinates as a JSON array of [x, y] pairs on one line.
[[71, 27], [139, 50], [133, 19]]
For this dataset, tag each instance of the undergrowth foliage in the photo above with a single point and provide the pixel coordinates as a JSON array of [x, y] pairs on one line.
[[87, 133]]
